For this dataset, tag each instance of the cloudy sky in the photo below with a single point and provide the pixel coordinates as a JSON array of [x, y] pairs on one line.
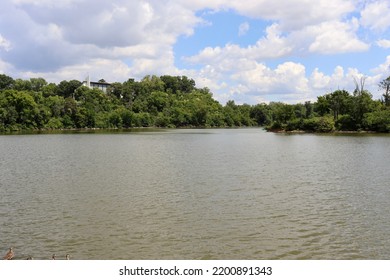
[[249, 51]]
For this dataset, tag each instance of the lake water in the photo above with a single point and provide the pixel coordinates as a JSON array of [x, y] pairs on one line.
[[195, 194]]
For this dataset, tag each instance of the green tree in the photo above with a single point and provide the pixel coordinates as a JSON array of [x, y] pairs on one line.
[[149, 84], [322, 106], [20, 85], [171, 84], [281, 112], [116, 89], [339, 102], [128, 92], [6, 82], [67, 88], [309, 109], [37, 84], [261, 114], [385, 85], [362, 103], [377, 121], [49, 90], [18, 109], [56, 105], [157, 101]]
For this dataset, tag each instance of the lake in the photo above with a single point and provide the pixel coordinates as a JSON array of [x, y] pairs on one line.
[[195, 194]]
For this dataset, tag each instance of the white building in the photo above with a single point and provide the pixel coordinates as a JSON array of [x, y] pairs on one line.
[[102, 85]]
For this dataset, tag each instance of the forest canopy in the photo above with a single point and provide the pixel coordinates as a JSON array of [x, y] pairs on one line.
[[175, 101]]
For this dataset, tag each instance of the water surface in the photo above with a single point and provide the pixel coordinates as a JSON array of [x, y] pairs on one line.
[[195, 194]]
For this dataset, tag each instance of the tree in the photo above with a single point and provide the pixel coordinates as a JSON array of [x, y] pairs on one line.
[[377, 121], [67, 88], [6, 82], [56, 104], [260, 113], [299, 111], [20, 109], [20, 85], [178, 84], [339, 102], [49, 90], [157, 101], [309, 109], [37, 83], [385, 85], [116, 89], [281, 112], [171, 84], [149, 84], [128, 92], [362, 103], [322, 106], [186, 85]]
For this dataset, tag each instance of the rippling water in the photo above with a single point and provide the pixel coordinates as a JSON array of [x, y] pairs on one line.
[[195, 194]]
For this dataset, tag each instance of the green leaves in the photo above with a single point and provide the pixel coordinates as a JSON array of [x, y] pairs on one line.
[[174, 101]]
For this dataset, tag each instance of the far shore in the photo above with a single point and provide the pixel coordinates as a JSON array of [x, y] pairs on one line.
[[329, 132]]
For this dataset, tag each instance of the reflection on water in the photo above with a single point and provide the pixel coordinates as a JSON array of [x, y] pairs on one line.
[[195, 194]]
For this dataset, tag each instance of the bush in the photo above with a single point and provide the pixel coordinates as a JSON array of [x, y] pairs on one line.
[[295, 124], [377, 121], [325, 124], [319, 124], [54, 123], [276, 126], [346, 123], [142, 120], [162, 120]]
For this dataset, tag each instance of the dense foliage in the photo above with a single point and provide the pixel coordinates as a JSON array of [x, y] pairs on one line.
[[175, 101]]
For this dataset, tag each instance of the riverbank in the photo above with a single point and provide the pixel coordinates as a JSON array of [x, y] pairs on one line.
[[329, 132]]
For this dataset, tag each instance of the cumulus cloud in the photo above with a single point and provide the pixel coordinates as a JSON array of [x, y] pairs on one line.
[[5, 67], [4, 44], [118, 39], [294, 14], [287, 79], [375, 15], [273, 45], [335, 37], [243, 28], [383, 43], [51, 35]]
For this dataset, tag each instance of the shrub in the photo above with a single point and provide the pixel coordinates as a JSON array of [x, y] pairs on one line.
[[319, 124], [377, 121]]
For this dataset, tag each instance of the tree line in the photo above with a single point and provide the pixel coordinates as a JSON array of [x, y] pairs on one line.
[[175, 101]]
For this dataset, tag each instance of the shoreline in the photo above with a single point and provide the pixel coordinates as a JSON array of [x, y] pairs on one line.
[[329, 132]]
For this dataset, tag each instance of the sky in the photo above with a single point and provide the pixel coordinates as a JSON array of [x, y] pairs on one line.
[[249, 51]]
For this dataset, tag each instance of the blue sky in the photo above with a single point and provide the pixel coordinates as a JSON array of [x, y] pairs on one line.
[[250, 51]]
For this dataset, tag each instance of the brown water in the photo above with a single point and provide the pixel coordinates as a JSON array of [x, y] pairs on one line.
[[195, 194]]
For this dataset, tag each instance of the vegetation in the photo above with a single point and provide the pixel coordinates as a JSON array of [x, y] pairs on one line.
[[175, 101]]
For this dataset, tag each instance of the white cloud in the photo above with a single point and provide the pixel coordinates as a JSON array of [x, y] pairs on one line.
[[383, 43], [382, 71], [5, 44], [375, 15], [5, 67], [326, 38], [319, 80], [115, 40], [335, 37], [97, 68], [230, 56], [322, 83], [58, 3], [295, 14], [243, 28], [287, 79]]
